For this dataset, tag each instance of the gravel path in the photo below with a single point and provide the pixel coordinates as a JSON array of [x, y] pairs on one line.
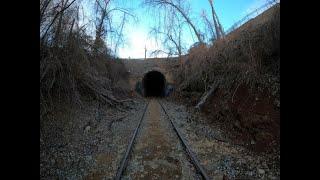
[[89, 143], [157, 153], [220, 158], [86, 143]]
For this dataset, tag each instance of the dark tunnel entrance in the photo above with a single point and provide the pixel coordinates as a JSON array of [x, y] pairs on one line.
[[154, 84]]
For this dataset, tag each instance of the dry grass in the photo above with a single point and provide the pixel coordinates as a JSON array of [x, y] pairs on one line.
[[72, 73], [250, 55], [246, 63], [73, 65]]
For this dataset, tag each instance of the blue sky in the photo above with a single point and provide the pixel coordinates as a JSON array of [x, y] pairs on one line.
[[136, 32]]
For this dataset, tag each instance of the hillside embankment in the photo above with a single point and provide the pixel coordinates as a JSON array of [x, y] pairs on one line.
[[243, 70]]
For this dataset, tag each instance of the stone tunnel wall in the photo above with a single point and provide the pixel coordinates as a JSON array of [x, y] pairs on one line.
[[138, 68]]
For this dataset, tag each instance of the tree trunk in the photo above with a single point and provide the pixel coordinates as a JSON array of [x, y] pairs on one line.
[[187, 19], [206, 95], [214, 20]]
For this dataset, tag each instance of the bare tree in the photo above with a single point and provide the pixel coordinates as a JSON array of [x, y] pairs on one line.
[[104, 25], [217, 25], [44, 4], [177, 5], [208, 27], [171, 38], [66, 49], [120, 35], [63, 6], [170, 34]]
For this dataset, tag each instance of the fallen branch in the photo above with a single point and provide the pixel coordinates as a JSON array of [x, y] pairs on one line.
[[235, 92], [99, 91], [206, 95]]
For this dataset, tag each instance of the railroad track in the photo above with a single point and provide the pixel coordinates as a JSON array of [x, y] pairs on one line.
[[184, 143]]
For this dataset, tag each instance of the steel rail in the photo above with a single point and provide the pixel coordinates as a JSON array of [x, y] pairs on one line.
[[193, 157], [124, 161]]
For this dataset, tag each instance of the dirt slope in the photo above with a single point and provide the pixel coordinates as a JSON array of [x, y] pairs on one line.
[[246, 63]]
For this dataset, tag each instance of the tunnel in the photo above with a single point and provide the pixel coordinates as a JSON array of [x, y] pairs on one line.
[[154, 84]]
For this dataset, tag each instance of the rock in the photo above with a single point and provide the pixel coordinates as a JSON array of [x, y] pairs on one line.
[[87, 129], [253, 142], [272, 177], [217, 177], [153, 165], [241, 161], [89, 158], [277, 103], [53, 161], [261, 171], [264, 164]]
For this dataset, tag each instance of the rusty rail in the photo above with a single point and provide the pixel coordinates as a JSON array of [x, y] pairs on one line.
[[193, 157], [124, 161]]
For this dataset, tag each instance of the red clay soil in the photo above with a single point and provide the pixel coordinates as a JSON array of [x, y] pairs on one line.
[[249, 118]]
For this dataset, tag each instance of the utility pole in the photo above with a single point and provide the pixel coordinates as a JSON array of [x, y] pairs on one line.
[[145, 52]]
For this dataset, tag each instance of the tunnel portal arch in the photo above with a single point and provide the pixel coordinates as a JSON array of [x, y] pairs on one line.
[[154, 84]]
